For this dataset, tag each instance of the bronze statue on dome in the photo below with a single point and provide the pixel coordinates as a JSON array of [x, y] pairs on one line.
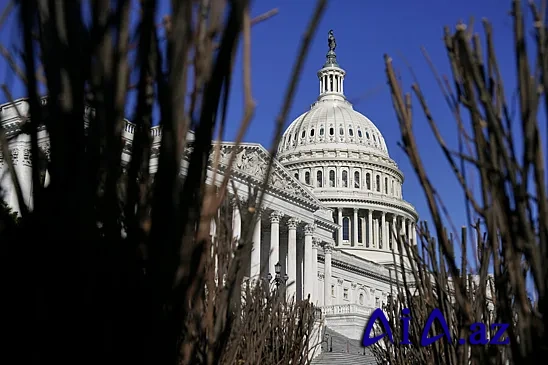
[[331, 42]]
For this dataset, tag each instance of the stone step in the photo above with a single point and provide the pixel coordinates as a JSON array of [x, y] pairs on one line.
[[340, 358], [342, 350]]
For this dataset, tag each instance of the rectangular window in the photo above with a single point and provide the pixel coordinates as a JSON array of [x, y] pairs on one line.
[[345, 294], [346, 228], [360, 233], [333, 290]]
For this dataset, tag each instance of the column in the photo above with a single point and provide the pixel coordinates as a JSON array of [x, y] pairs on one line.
[[292, 224], [274, 257], [370, 228], [339, 221], [394, 234], [327, 274], [364, 230], [375, 233], [315, 244], [308, 233], [402, 227], [236, 223], [355, 226], [383, 231], [415, 234], [256, 249], [213, 229], [409, 232]]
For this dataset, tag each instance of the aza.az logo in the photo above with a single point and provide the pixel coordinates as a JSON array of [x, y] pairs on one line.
[[478, 336]]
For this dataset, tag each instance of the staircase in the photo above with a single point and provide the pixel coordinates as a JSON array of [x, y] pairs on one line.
[[340, 350]]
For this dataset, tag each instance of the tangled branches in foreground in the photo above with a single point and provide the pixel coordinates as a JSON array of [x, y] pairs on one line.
[[111, 260], [508, 210]]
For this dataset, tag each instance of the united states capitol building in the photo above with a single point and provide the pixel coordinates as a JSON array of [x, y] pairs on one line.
[[333, 204]]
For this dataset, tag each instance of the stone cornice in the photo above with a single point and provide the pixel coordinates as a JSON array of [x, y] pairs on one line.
[[351, 263], [393, 203]]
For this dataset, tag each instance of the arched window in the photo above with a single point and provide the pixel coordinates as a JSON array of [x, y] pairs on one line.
[[312, 132], [297, 175], [351, 132], [330, 82], [368, 181], [361, 298], [345, 179], [303, 134], [331, 131], [378, 183], [332, 178], [321, 131], [392, 189], [360, 233], [346, 229], [319, 179], [356, 179], [307, 178], [386, 185], [359, 133]]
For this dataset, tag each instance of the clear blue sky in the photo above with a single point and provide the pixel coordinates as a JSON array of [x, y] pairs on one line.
[[365, 31]]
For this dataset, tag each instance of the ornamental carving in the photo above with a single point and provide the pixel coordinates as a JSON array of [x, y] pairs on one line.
[[252, 162], [234, 202], [321, 275], [309, 229], [14, 155], [328, 249], [354, 285], [276, 216], [27, 157], [316, 241], [292, 223], [340, 281]]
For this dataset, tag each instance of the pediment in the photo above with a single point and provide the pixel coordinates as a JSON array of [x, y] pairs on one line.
[[251, 163]]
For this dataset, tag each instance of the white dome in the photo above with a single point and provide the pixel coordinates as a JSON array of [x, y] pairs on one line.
[[332, 123]]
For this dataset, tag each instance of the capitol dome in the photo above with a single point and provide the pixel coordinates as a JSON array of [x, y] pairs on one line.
[[343, 159], [332, 122]]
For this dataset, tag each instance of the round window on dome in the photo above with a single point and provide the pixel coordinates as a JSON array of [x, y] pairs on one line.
[[341, 131], [367, 135], [303, 134], [312, 132], [375, 138], [321, 131], [359, 133], [350, 132], [331, 131]]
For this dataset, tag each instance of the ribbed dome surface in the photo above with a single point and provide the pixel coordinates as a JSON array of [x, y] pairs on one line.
[[332, 123]]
